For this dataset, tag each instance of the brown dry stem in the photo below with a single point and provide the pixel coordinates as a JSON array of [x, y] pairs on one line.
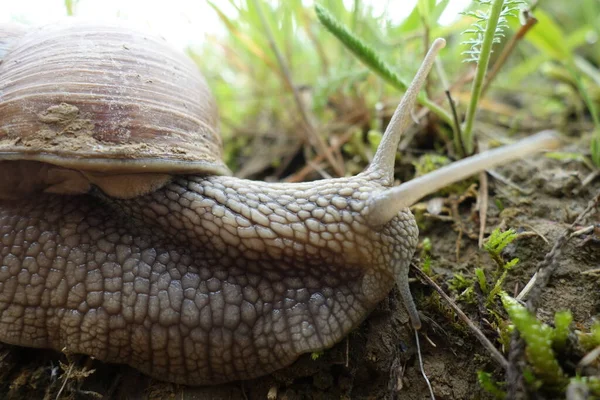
[[312, 135], [494, 353]]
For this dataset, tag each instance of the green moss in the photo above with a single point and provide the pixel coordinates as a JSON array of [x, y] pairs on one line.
[[374, 138], [591, 382], [538, 338], [481, 279], [590, 340], [425, 255], [356, 147], [498, 241], [430, 162], [562, 322], [463, 286], [489, 385]]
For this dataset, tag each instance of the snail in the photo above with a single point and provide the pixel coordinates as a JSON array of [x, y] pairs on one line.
[[124, 237]]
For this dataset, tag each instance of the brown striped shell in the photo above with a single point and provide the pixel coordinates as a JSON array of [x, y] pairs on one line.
[[85, 103]]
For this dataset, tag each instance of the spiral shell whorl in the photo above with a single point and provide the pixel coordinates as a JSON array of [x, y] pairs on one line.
[[101, 98]]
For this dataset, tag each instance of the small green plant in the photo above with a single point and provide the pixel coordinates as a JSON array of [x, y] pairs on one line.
[[590, 340], [497, 288], [488, 28], [592, 383], [430, 162], [481, 279], [539, 339], [545, 346], [70, 6], [425, 255], [368, 56], [479, 27], [495, 244], [562, 322], [550, 39], [463, 286], [487, 383]]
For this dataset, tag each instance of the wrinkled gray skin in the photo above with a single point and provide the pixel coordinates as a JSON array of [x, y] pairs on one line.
[[208, 280]]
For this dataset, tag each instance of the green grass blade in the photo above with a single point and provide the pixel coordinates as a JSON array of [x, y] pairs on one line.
[[482, 66], [359, 48], [548, 37], [370, 58], [70, 6]]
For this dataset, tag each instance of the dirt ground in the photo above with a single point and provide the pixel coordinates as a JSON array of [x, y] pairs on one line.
[[378, 360]]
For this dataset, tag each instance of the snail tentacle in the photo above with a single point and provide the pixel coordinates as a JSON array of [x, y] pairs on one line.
[[384, 206], [383, 161]]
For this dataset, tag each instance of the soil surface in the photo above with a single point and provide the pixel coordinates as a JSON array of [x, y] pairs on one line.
[[379, 359]]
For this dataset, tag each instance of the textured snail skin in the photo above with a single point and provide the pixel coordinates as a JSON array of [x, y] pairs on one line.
[[208, 280]]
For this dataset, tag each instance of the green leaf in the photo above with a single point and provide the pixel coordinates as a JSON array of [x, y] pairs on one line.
[[70, 6], [562, 321], [410, 23], [481, 279], [588, 69], [565, 156], [595, 149], [497, 289], [538, 337], [533, 62], [360, 49], [591, 340], [548, 37], [510, 265], [499, 240], [425, 7], [487, 383]]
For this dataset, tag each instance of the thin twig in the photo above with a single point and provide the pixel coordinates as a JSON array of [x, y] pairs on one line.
[[525, 291], [534, 230], [499, 177], [514, 376], [583, 231], [483, 204], [347, 352], [67, 375], [457, 132], [592, 271], [421, 366], [243, 390], [458, 142], [496, 355], [312, 135], [308, 168], [424, 111], [589, 358], [590, 178], [307, 22]]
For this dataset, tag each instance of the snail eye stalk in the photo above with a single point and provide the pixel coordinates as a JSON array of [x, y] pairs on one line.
[[384, 206], [383, 161]]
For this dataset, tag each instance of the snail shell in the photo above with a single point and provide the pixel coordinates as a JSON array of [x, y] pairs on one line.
[[112, 106]]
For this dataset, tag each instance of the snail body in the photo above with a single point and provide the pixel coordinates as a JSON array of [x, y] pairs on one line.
[[124, 238]]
